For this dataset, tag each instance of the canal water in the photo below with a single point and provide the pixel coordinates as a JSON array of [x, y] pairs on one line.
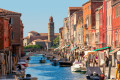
[[46, 71]]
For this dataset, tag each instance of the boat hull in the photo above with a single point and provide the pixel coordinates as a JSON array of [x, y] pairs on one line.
[[65, 64], [80, 69], [42, 61]]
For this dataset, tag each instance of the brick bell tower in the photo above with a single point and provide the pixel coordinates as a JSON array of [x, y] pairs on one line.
[[51, 29]]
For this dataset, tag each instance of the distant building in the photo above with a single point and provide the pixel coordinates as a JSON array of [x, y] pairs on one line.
[[43, 39]]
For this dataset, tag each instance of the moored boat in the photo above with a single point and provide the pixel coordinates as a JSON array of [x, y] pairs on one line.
[[78, 67], [65, 63], [94, 73], [42, 61]]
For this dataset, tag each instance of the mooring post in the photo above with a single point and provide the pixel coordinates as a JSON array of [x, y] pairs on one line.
[[109, 72]]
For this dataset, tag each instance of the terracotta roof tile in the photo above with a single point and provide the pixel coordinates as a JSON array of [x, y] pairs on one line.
[[75, 8], [43, 34], [7, 12], [26, 37], [33, 32]]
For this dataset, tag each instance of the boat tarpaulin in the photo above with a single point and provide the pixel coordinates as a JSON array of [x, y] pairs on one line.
[[91, 70], [100, 49]]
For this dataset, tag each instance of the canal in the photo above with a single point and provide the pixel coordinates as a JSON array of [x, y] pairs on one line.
[[48, 72]]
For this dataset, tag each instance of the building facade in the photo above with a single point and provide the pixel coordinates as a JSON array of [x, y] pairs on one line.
[[89, 21], [115, 23]]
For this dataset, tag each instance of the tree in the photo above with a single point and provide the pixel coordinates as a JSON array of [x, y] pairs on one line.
[[56, 42]]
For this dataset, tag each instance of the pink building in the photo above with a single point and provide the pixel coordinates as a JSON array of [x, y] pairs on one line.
[[109, 22]]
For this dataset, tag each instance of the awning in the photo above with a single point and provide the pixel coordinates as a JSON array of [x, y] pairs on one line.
[[111, 50], [114, 51], [67, 45], [74, 48], [100, 49], [89, 52]]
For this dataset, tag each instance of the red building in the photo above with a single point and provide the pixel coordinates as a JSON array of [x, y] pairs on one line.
[[104, 23], [99, 27], [116, 23], [4, 33], [15, 22], [5, 46], [11, 40]]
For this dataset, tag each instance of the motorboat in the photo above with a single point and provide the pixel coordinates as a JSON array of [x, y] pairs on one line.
[[23, 62], [94, 73], [78, 67], [42, 61], [64, 62], [55, 63], [49, 57]]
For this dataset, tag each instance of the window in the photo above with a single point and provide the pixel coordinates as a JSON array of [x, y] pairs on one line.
[[88, 8], [5, 38], [119, 36], [12, 35], [11, 21], [113, 36], [117, 11], [109, 20], [85, 9], [116, 35], [113, 13]]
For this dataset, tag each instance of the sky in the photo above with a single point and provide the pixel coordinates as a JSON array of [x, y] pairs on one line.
[[36, 13]]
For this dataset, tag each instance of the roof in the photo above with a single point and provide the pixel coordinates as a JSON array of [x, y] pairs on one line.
[[86, 3], [33, 32], [7, 12], [39, 40], [56, 34], [61, 28], [43, 34], [26, 37], [75, 8], [92, 1]]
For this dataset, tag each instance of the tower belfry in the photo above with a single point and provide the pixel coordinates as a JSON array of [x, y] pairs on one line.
[[51, 29]]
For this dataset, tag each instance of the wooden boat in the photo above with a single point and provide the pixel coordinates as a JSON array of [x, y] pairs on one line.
[[49, 57], [43, 61], [65, 63], [78, 67], [55, 63]]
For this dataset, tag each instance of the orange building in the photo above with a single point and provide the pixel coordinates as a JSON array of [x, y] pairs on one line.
[[89, 21]]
